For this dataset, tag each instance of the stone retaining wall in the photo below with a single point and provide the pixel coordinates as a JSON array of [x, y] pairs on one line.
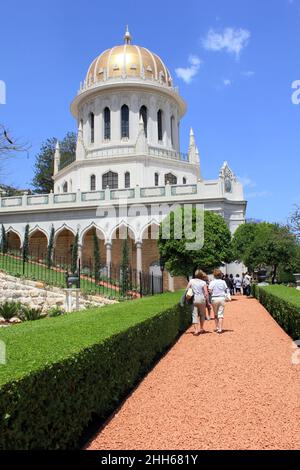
[[37, 295]]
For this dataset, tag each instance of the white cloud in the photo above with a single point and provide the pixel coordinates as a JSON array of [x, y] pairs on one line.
[[259, 194], [227, 82], [246, 182], [188, 73], [248, 73], [230, 40]]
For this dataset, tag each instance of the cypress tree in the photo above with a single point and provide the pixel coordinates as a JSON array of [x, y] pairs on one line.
[[74, 261], [124, 267], [25, 250], [3, 240], [97, 261], [50, 247]]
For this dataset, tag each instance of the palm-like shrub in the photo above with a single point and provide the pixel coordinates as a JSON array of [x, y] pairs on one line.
[[55, 312], [31, 314], [9, 310]]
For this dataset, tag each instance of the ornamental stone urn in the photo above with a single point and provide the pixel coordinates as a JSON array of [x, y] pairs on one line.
[[297, 278]]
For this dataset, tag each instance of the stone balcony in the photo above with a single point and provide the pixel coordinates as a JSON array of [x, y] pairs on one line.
[[128, 150]]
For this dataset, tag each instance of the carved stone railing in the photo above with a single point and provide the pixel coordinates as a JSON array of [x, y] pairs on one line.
[[124, 150], [201, 190]]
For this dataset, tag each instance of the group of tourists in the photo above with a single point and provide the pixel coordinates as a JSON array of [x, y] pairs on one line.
[[239, 285], [207, 296]]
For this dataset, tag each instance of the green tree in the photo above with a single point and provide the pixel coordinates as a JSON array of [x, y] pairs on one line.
[[3, 240], [74, 260], [44, 164], [97, 260], [25, 248], [242, 242], [216, 250], [266, 244], [124, 285], [294, 222], [50, 247]]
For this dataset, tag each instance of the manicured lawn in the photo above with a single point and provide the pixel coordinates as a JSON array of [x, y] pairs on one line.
[[33, 345], [289, 294], [56, 277], [283, 303]]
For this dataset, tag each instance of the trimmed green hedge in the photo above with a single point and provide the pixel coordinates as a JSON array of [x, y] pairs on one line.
[[63, 371], [283, 303]]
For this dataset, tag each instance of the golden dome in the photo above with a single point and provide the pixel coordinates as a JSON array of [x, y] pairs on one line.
[[128, 61]]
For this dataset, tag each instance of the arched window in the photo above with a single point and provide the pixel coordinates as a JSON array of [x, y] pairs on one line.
[[110, 179], [107, 124], [183, 180], [92, 127], [159, 126], [172, 130], [170, 178], [65, 187], [124, 121], [93, 183], [143, 114], [127, 179], [156, 179]]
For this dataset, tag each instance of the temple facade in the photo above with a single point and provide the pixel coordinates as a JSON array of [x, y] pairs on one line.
[[128, 171]]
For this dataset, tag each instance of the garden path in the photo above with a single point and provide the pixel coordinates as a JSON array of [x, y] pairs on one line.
[[238, 390]]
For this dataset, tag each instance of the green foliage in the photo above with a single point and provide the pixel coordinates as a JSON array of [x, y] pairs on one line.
[[294, 221], [3, 240], [283, 303], [30, 314], [124, 280], [44, 165], [9, 310], [216, 249], [64, 370], [265, 244], [50, 247], [55, 312], [25, 248], [97, 260], [74, 261], [242, 242]]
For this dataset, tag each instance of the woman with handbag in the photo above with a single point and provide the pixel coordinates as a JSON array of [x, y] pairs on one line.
[[198, 291]]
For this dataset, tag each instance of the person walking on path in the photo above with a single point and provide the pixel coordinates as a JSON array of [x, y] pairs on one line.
[[231, 286], [200, 293], [238, 285], [247, 284], [219, 290]]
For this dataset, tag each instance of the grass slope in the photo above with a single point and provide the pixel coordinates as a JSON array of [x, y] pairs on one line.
[[32, 345]]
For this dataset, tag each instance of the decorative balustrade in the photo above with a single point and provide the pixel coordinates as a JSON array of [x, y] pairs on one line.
[[124, 150], [201, 190], [165, 153]]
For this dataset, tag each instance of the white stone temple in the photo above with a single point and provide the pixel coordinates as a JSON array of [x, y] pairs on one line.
[[128, 171]]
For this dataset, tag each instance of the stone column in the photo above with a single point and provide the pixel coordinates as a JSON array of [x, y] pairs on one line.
[[139, 263]]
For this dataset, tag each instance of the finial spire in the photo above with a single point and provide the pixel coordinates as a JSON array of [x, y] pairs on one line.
[[127, 36]]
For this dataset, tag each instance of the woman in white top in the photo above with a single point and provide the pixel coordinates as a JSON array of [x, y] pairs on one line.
[[218, 289], [200, 292]]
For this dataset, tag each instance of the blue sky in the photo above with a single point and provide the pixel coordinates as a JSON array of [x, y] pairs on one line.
[[233, 60]]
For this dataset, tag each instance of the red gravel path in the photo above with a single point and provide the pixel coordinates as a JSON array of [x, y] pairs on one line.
[[238, 390]]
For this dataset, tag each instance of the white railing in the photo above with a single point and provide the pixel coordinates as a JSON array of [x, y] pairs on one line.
[[201, 190]]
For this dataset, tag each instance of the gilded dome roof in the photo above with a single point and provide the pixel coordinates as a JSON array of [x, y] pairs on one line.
[[128, 61]]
